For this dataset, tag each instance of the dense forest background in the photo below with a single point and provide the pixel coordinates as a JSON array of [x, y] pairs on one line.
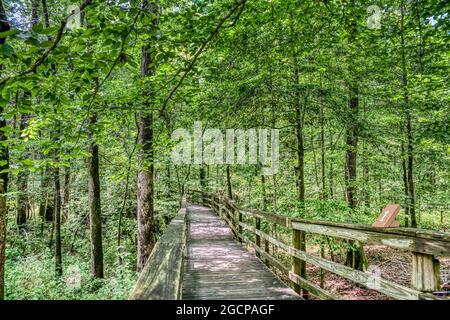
[[89, 101]]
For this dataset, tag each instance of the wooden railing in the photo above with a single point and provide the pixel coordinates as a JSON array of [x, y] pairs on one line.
[[162, 276], [246, 226]]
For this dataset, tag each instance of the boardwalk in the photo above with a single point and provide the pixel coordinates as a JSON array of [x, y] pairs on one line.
[[197, 257], [217, 267]]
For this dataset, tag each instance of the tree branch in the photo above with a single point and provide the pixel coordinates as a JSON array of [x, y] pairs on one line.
[[198, 53], [55, 44]]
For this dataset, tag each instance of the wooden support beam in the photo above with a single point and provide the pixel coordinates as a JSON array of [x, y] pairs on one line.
[[425, 275], [258, 238]]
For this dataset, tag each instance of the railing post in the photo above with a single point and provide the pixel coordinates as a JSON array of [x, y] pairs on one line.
[[232, 216], [299, 266], [266, 249], [425, 272], [240, 227], [258, 238]]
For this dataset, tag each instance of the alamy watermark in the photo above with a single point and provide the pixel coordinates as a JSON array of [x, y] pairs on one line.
[[73, 277], [236, 146], [374, 20]]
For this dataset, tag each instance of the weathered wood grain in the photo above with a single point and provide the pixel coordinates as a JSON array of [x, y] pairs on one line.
[[425, 274], [216, 267], [311, 287], [161, 277], [384, 286], [423, 244]]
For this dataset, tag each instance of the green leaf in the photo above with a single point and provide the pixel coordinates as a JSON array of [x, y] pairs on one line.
[[9, 33], [46, 44], [33, 42], [38, 28], [6, 50]]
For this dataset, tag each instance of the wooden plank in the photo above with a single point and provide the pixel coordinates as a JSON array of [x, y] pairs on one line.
[[162, 274], [425, 274], [376, 283], [426, 234], [275, 218], [431, 242], [311, 287], [387, 217], [219, 268], [265, 255], [393, 240], [366, 237]]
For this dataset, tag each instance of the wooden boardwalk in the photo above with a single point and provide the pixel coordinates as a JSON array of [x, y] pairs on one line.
[[197, 258], [217, 267]]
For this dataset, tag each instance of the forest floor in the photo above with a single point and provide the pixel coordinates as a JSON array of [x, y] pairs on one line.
[[391, 264]]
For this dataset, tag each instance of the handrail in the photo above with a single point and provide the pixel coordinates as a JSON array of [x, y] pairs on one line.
[[162, 276], [424, 245]]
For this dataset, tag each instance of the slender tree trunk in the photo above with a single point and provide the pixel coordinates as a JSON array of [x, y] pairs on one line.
[[355, 254], [45, 13], [351, 151], [4, 166], [229, 186], [202, 177], [410, 175], [95, 214], [301, 237], [331, 180], [169, 182], [57, 217], [408, 126], [22, 178], [405, 183], [66, 193], [322, 150]]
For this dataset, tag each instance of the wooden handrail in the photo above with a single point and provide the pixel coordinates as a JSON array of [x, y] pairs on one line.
[[162, 276], [423, 244]]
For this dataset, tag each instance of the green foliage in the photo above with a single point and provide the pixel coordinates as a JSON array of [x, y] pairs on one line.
[[265, 64]]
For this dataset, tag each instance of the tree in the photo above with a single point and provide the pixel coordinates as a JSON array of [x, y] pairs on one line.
[[95, 213], [4, 165], [145, 183]]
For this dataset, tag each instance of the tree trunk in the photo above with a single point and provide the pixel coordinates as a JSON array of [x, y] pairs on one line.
[[351, 150], [145, 186], [22, 177], [322, 149], [57, 217], [300, 170], [408, 127], [4, 166], [405, 183], [95, 214], [229, 186], [66, 194], [355, 254], [202, 177], [145, 191]]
